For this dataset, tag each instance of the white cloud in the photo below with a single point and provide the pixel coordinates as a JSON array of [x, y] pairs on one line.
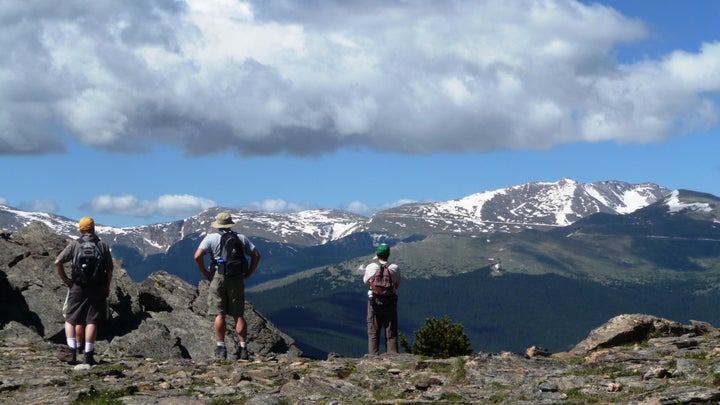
[[278, 77], [278, 205], [39, 206], [359, 207], [180, 205], [168, 205]]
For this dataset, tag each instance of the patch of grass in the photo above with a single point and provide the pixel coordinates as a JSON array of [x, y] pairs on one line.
[[441, 367], [453, 397], [715, 379], [384, 394], [575, 360], [103, 397], [458, 372], [498, 398], [232, 400], [700, 356], [197, 383], [499, 386], [612, 371], [585, 371], [345, 371], [202, 382], [576, 395]]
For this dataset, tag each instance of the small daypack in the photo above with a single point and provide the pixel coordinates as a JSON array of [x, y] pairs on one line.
[[381, 285], [87, 266], [232, 260]]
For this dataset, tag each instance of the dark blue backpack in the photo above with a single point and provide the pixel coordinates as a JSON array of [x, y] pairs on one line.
[[232, 260]]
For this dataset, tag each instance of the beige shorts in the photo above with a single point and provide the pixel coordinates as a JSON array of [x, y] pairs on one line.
[[226, 296]]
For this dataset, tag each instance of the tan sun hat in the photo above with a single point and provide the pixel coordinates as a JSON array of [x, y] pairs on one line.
[[223, 220]]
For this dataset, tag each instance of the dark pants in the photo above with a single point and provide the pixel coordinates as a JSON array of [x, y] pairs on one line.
[[379, 318]]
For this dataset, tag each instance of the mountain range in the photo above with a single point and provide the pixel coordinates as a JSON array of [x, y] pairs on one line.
[[538, 205], [504, 262]]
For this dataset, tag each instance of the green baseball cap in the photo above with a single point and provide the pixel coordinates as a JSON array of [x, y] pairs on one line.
[[383, 250]]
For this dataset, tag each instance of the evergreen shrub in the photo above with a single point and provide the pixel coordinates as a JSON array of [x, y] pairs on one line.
[[439, 338]]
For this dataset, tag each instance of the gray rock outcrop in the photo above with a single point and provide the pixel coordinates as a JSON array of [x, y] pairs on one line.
[[629, 328], [163, 317]]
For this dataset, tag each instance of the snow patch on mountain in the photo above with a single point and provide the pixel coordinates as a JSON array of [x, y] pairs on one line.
[[470, 206], [675, 205]]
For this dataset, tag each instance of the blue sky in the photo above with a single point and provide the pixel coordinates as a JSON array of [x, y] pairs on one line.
[[131, 113]]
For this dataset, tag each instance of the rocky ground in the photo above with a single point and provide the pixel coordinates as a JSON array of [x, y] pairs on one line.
[[631, 359], [156, 347]]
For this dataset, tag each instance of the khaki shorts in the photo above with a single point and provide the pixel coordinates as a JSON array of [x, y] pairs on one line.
[[226, 296]]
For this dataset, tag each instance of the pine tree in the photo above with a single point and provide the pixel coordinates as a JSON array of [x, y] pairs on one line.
[[439, 338]]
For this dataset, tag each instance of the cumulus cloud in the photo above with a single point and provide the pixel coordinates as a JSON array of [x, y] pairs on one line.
[[359, 207], [277, 77], [167, 205], [39, 206], [278, 205]]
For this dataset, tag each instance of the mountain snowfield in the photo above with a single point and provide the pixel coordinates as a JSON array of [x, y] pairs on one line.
[[511, 209], [675, 205], [560, 198], [531, 205]]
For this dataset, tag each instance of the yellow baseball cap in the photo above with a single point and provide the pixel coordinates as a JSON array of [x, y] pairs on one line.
[[87, 224]]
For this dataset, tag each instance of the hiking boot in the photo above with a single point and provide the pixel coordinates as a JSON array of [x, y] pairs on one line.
[[67, 355], [220, 353], [243, 354], [90, 358]]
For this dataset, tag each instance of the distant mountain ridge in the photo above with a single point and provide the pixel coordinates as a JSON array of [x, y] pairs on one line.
[[537, 205], [512, 209]]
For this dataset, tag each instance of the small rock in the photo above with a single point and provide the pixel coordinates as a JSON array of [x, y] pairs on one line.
[[536, 351], [614, 387], [660, 372]]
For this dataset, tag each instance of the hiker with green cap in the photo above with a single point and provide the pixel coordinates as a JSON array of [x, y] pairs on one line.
[[227, 273], [383, 281]]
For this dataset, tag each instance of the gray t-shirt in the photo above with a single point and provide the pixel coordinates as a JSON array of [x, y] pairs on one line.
[[211, 243]]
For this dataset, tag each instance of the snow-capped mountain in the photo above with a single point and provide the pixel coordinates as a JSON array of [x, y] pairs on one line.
[[313, 227], [531, 205]]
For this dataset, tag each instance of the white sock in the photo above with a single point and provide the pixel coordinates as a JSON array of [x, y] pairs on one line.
[[72, 343], [221, 344], [89, 347], [243, 344]]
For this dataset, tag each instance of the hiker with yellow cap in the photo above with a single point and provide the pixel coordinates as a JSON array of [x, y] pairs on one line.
[[383, 280], [229, 268], [89, 283]]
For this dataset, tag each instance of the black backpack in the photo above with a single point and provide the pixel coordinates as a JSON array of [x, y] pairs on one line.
[[232, 260], [381, 285], [87, 266]]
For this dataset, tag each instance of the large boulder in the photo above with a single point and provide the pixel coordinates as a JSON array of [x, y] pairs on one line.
[[629, 328], [178, 324], [163, 317], [31, 291]]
